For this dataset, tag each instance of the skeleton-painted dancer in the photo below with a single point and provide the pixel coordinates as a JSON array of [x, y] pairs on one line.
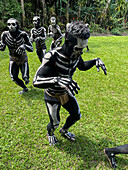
[[18, 42], [38, 35], [55, 32], [55, 75]]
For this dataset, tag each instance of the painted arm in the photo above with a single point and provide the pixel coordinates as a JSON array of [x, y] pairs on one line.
[[59, 30], [50, 33], [27, 44], [45, 36], [2, 42], [86, 65], [31, 36], [44, 77]]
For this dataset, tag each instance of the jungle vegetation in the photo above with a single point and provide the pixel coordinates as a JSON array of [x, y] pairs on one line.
[[102, 15]]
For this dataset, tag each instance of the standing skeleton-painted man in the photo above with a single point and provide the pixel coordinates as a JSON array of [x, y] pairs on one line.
[[18, 42], [38, 34], [55, 32], [55, 76]]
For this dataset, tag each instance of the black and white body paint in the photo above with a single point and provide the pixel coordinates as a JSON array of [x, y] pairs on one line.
[[38, 35], [55, 32], [55, 75], [17, 42]]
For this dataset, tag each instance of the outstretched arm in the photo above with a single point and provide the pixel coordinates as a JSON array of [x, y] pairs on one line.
[[86, 65], [31, 36], [59, 30]]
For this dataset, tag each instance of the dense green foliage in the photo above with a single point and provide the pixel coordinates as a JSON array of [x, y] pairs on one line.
[[103, 103], [102, 15]]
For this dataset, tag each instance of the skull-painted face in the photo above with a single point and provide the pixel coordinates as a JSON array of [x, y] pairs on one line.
[[81, 33], [75, 45], [53, 21], [78, 48], [12, 25], [36, 21], [81, 44]]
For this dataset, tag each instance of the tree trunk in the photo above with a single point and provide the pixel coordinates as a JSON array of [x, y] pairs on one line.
[[43, 6], [67, 11], [105, 11], [37, 7], [23, 12], [79, 11]]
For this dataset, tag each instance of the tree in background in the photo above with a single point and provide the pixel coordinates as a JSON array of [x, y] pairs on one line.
[[23, 12], [100, 14], [9, 9]]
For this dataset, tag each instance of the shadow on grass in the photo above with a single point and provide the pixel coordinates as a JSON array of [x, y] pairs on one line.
[[91, 152], [34, 93]]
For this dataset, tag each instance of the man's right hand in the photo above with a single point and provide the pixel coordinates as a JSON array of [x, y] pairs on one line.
[[68, 84], [2, 46]]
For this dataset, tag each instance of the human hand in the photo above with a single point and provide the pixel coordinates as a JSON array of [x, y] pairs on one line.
[[20, 50], [2, 46], [100, 63], [68, 84]]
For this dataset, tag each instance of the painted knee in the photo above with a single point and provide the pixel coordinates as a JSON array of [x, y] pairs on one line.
[[78, 116]]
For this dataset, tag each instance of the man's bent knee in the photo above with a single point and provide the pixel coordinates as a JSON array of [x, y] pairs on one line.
[[78, 116]]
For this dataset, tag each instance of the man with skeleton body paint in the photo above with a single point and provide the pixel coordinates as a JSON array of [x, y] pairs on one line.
[[55, 76], [38, 34], [18, 42], [55, 32], [111, 152]]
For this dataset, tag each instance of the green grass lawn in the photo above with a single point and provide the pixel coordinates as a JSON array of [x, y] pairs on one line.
[[103, 101]]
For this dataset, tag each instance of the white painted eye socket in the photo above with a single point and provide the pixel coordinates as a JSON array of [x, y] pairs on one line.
[[53, 22], [35, 22], [13, 24]]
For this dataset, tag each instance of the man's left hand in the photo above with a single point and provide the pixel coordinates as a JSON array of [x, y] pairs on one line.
[[20, 50], [100, 63]]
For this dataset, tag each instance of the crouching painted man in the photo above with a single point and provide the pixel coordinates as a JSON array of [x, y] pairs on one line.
[[18, 42], [55, 76]]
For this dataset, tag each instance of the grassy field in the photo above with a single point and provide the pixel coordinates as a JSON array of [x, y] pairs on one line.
[[103, 101]]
